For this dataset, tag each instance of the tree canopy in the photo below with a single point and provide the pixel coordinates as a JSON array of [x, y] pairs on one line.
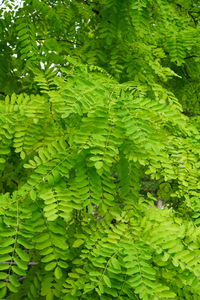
[[99, 123]]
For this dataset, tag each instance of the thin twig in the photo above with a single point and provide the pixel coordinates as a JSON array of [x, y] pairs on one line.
[[58, 40], [19, 279], [12, 263]]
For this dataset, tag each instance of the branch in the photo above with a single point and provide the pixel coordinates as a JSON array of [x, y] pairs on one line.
[[160, 204], [66, 41], [19, 279], [12, 263]]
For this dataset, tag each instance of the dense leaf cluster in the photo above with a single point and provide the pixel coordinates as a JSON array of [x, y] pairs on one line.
[[99, 121]]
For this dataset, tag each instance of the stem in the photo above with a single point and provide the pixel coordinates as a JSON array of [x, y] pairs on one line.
[[12, 263]]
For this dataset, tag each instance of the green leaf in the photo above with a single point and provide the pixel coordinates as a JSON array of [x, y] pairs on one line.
[[115, 263], [22, 254], [2, 160], [18, 271], [14, 281], [98, 165], [107, 281], [58, 272], [77, 243], [63, 264], [3, 292], [50, 266], [4, 267], [3, 275], [33, 195], [48, 258], [6, 250], [21, 264], [22, 155]]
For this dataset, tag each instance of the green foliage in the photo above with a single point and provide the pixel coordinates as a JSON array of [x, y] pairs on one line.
[[99, 121]]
